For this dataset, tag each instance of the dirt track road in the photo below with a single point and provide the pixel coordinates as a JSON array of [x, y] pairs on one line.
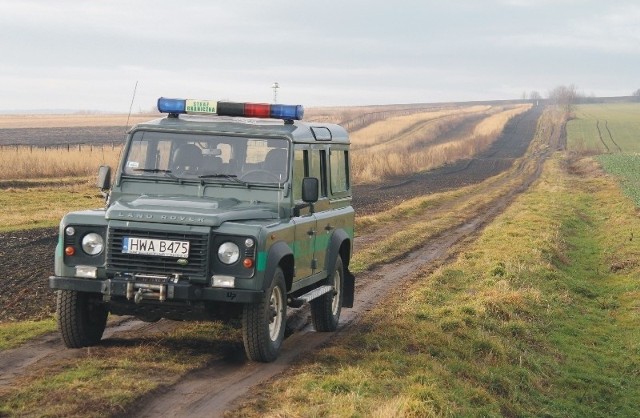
[[216, 389], [219, 386]]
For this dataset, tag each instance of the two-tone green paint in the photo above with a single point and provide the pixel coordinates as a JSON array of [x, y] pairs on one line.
[[218, 207]]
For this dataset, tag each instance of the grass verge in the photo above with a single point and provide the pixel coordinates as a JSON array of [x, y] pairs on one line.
[[416, 228], [537, 318], [14, 334], [44, 205]]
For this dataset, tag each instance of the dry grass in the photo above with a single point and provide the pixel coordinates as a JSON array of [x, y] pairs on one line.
[[354, 118], [43, 206], [402, 156], [410, 127], [387, 141], [28, 163], [494, 124]]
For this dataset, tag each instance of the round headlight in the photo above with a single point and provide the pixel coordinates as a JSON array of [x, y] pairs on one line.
[[228, 253], [92, 244]]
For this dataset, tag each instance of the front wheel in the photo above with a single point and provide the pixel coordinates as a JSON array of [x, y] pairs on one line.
[[325, 310], [263, 323], [82, 318]]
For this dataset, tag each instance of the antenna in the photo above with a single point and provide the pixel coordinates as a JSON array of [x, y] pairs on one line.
[[133, 97], [126, 127], [275, 88]]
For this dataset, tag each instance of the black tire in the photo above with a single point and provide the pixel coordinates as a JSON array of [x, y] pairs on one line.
[[263, 323], [325, 310], [82, 318]]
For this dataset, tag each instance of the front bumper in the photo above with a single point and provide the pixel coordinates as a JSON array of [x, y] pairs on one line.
[[138, 291]]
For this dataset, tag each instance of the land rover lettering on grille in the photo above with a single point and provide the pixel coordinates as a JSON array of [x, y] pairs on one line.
[[219, 210]]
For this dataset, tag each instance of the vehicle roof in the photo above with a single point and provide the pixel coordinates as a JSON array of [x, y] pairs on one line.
[[298, 131]]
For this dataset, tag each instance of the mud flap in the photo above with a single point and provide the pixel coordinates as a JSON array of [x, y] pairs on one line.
[[349, 289]]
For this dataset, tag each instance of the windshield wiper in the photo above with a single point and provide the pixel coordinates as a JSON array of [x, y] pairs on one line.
[[156, 170], [222, 175], [209, 176]]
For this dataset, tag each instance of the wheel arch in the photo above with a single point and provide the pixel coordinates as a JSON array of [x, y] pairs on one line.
[[341, 245], [279, 255]]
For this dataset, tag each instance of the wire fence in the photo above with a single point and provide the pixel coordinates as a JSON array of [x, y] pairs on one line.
[[61, 147]]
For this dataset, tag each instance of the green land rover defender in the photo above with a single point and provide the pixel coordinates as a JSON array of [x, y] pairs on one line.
[[220, 210]]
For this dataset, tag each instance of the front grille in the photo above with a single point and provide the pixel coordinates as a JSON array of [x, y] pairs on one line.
[[119, 262]]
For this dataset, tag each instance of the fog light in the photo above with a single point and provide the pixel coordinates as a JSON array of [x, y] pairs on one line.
[[223, 281], [88, 272]]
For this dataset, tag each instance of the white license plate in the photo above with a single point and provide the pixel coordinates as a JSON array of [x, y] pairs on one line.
[[160, 247]]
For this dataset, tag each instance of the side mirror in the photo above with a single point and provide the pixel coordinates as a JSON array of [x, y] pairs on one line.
[[104, 177], [310, 189]]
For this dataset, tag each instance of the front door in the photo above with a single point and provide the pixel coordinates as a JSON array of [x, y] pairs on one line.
[[304, 245]]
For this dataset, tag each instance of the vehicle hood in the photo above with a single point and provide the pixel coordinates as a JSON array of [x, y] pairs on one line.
[[191, 211]]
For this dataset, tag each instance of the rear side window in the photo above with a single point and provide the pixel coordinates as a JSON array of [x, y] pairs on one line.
[[339, 162], [319, 169]]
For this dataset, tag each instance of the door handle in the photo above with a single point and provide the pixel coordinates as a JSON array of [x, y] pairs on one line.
[[311, 232]]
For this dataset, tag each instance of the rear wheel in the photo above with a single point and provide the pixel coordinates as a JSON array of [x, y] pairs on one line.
[[325, 310], [263, 323], [82, 318]]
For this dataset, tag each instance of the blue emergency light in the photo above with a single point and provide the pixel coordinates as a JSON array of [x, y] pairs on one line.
[[221, 108]]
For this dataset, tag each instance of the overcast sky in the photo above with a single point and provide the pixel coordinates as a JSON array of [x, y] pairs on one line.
[[88, 55]]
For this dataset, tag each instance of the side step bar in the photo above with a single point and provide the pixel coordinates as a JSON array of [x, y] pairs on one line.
[[309, 296]]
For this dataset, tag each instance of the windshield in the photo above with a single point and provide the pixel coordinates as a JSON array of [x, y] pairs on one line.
[[192, 156]]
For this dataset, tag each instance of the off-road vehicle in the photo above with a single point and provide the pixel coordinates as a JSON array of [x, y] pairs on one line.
[[233, 216]]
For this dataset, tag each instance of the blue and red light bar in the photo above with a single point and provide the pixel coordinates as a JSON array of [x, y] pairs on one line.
[[248, 110]]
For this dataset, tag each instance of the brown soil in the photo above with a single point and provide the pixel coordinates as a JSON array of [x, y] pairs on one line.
[[96, 135], [26, 262]]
